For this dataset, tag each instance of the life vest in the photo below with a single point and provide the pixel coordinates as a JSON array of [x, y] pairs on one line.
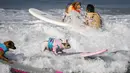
[[50, 43], [54, 44], [3, 48]]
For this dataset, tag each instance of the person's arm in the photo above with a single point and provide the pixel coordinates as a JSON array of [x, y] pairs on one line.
[[100, 17], [86, 20], [101, 22], [65, 14], [81, 17], [63, 18]]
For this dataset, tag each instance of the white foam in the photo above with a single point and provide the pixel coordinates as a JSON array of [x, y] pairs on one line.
[[29, 36], [4, 68]]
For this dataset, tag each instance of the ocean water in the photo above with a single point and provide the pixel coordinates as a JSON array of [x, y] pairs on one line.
[[28, 33]]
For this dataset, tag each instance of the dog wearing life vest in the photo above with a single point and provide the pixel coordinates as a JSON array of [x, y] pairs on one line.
[[56, 45], [4, 47]]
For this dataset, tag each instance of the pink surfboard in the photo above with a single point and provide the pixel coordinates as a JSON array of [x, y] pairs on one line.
[[58, 71], [85, 54]]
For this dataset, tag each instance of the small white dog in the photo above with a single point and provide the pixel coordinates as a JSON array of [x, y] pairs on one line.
[[56, 45]]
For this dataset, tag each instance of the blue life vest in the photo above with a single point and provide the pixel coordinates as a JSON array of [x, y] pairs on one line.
[[50, 43], [4, 48]]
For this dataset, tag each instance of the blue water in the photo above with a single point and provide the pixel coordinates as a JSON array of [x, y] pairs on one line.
[[41, 3], [112, 6]]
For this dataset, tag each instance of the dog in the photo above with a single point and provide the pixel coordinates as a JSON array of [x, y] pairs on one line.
[[56, 45], [4, 47]]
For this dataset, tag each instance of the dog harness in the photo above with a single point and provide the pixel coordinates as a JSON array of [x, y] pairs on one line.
[[54, 44], [50, 43], [3, 48]]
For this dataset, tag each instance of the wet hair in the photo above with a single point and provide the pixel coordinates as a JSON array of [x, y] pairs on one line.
[[90, 8], [76, 3], [67, 6]]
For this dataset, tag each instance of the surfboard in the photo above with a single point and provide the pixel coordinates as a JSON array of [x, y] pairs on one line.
[[13, 69], [41, 15], [21, 68], [86, 54]]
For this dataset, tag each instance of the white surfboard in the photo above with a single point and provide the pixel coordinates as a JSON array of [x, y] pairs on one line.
[[41, 15]]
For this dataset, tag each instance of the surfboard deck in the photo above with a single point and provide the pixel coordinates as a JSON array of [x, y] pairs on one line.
[[86, 54], [41, 15], [21, 68]]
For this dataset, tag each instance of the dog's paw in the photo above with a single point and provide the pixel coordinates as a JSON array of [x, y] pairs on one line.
[[55, 53]]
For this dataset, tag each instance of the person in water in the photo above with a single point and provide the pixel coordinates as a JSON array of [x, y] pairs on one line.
[[92, 18], [74, 6]]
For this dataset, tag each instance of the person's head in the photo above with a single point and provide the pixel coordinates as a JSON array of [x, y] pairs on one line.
[[90, 8], [76, 5]]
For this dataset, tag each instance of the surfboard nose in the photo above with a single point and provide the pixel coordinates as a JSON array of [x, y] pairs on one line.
[[58, 71]]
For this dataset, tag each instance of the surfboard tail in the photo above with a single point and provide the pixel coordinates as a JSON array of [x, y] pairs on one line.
[[14, 70], [93, 53]]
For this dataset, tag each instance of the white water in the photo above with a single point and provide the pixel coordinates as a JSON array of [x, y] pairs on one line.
[[28, 33]]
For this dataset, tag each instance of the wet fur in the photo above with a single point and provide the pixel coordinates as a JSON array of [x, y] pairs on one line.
[[9, 45], [45, 46]]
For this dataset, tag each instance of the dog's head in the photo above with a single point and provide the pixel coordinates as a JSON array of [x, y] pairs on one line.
[[66, 43], [10, 44]]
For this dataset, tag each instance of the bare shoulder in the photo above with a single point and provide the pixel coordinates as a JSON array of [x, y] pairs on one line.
[[90, 14], [97, 14]]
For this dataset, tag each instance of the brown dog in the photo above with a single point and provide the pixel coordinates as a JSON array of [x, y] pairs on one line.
[[4, 48]]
